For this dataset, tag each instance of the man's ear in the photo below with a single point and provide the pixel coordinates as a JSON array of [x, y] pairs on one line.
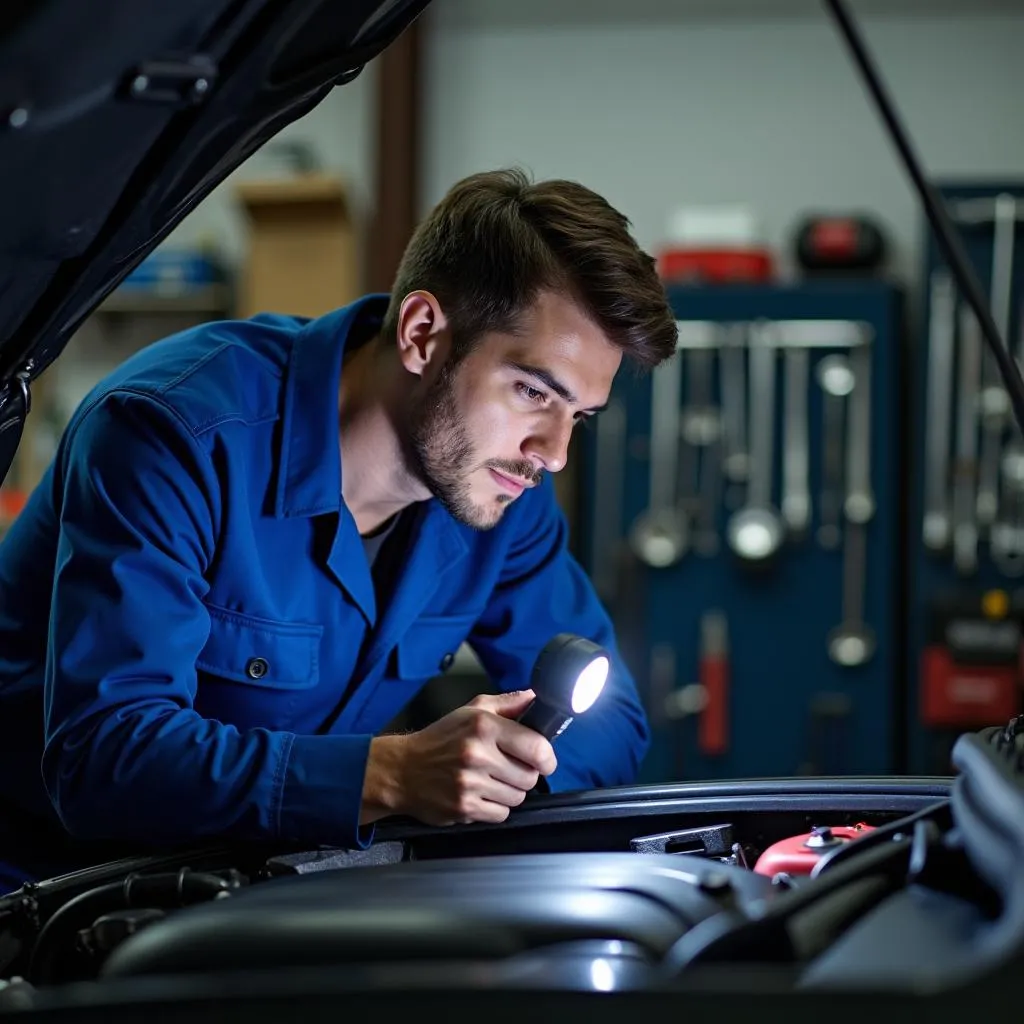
[[423, 336]]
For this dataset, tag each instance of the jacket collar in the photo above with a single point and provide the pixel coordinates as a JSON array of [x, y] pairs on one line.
[[309, 470], [309, 474]]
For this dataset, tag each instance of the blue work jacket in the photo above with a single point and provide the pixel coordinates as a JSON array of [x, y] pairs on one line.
[[191, 645]]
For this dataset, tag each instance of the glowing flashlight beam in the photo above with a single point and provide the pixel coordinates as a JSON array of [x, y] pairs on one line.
[[589, 685]]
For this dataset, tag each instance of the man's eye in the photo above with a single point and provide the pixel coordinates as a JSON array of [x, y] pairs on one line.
[[530, 394]]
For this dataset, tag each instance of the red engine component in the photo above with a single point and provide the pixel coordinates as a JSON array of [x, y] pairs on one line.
[[798, 854]]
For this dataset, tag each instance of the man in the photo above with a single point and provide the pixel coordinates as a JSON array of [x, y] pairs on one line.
[[259, 539]]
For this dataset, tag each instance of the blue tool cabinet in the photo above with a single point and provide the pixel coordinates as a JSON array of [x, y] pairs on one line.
[[791, 709], [990, 598]]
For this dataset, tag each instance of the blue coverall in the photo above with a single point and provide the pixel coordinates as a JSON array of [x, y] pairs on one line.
[[191, 645]]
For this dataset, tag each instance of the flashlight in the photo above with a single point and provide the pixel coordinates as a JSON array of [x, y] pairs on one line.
[[568, 677]]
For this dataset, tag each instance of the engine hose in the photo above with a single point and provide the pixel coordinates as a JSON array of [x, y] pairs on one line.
[[877, 837], [165, 890]]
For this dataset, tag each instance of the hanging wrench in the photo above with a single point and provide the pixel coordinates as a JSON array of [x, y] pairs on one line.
[[660, 535], [796, 497], [836, 380], [852, 642], [965, 530], [701, 428], [608, 491], [941, 329], [994, 401], [736, 451]]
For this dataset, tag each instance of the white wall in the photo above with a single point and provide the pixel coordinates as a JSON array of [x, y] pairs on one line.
[[660, 102]]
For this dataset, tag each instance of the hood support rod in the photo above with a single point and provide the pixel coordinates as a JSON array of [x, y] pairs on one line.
[[946, 234]]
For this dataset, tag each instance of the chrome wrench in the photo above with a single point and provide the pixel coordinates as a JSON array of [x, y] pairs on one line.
[[660, 535], [701, 428], [736, 451], [796, 497], [853, 642], [608, 491], [755, 532], [936, 527], [994, 401], [835, 378], [965, 529]]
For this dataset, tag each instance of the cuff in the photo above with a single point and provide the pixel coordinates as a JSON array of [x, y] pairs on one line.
[[322, 793]]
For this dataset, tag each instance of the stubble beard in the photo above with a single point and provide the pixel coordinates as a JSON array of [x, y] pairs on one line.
[[441, 454]]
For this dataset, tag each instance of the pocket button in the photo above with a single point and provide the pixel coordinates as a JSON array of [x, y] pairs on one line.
[[257, 668]]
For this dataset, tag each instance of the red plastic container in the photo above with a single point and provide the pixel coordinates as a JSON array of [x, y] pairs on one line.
[[798, 854], [715, 266]]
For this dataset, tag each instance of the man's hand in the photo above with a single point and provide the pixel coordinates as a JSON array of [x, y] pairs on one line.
[[472, 765]]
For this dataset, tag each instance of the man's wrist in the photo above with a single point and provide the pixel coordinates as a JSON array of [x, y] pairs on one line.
[[383, 789]]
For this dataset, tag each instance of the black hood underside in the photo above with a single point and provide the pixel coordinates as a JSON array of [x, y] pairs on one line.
[[118, 118]]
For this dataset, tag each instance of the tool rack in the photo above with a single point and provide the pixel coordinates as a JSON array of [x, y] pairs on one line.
[[748, 665]]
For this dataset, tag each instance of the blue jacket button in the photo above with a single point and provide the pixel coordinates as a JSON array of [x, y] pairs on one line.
[[257, 668], [447, 661]]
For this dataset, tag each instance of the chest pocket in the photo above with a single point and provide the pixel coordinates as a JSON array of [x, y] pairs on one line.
[[261, 652], [429, 645]]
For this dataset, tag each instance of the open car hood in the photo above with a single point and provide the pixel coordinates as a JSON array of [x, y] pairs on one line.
[[118, 118]]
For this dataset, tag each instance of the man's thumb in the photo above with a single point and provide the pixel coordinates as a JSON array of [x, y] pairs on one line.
[[508, 705]]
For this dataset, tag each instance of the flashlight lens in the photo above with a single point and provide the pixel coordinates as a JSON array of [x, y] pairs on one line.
[[589, 685]]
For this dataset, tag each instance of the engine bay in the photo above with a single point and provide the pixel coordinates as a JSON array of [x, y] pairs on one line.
[[540, 897], [894, 886]]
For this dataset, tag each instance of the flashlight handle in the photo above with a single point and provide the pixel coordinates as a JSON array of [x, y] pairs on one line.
[[545, 719]]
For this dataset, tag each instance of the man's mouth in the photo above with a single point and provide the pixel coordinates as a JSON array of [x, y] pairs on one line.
[[511, 484]]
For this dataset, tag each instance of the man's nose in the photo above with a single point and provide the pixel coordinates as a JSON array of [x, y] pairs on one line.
[[550, 446]]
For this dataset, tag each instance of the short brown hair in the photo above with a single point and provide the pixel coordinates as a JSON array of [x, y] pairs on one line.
[[496, 240]]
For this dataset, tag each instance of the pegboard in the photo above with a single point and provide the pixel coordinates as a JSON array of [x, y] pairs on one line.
[[790, 708], [986, 594]]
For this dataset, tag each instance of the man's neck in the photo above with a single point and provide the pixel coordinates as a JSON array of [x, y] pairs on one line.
[[375, 483]]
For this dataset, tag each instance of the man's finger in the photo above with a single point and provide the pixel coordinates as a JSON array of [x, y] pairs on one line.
[[508, 705], [524, 744], [510, 771], [497, 792]]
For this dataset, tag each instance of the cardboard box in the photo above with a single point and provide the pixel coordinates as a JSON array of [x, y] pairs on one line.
[[302, 251]]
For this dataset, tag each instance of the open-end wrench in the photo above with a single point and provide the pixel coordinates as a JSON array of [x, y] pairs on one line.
[[965, 529], [701, 429], [609, 488], [941, 330], [700, 423], [994, 400], [1006, 531], [796, 496], [852, 642], [736, 451], [755, 532], [660, 535], [835, 378]]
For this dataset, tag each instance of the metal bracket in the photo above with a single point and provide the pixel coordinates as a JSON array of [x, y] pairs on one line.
[[16, 404], [172, 82]]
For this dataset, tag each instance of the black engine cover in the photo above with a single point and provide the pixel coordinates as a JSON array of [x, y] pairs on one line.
[[474, 909]]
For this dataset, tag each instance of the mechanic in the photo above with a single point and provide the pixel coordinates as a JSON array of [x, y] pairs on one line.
[[259, 539]]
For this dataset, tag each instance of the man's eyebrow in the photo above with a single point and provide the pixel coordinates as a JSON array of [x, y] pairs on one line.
[[550, 381]]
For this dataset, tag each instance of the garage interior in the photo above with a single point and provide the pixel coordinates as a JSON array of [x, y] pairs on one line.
[[808, 527]]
